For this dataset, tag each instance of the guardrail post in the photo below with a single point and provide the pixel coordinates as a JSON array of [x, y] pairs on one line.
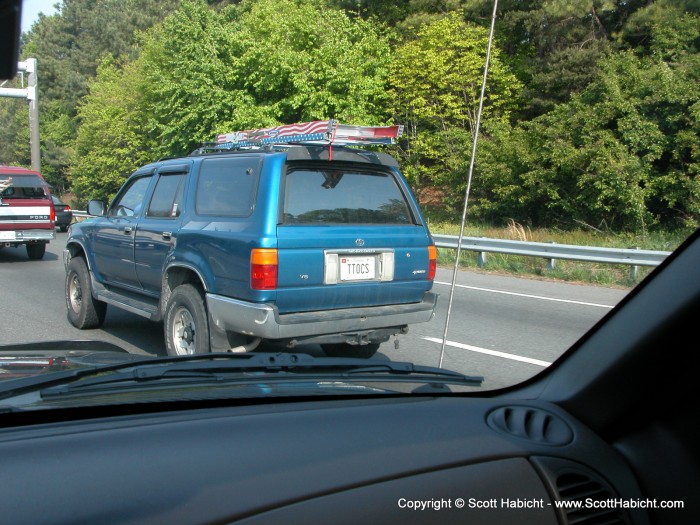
[[481, 259], [634, 269], [551, 263]]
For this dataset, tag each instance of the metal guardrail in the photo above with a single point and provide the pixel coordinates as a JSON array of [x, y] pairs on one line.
[[629, 256]]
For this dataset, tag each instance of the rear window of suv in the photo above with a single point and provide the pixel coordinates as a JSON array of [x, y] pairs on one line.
[[343, 196]]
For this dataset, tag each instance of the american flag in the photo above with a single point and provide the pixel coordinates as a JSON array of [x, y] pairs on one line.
[[269, 134]]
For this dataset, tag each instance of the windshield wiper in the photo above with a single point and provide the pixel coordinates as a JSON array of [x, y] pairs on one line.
[[249, 366]]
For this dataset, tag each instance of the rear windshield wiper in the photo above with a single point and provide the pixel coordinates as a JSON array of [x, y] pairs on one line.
[[258, 366]]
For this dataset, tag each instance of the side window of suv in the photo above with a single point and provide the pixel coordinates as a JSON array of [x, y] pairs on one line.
[[227, 187], [129, 203], [167, 197]]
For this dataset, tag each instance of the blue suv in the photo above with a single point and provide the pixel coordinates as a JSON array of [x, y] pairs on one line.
[[291, 234]]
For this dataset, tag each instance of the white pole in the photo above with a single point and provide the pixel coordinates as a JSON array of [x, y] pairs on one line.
[[33, 97]]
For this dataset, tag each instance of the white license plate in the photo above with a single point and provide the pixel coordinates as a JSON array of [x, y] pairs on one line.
[[357, 268], [7, 236]]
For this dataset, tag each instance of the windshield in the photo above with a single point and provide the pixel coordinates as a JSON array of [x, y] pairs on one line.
[[510, 217]]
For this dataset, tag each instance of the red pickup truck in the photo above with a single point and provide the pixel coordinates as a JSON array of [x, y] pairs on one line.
[[27, 214]]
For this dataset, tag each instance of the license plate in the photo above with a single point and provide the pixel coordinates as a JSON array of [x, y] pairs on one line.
[[357, 268], [7, 236]]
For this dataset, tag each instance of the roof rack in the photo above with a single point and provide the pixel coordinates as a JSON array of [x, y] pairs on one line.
[[320, 132]]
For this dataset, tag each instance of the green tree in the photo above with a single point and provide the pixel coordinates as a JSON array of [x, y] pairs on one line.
[[112, 140], [552, 45], [261, 63], [187, 69], [622, 154], [302, 61], [14, 118], [556, 45], [435, 84], [407, 16]]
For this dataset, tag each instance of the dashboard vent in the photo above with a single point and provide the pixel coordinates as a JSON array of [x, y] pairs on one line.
[[532, 424], [578, 490]]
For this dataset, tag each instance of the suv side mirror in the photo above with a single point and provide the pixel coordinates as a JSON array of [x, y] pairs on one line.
[[96, 208]]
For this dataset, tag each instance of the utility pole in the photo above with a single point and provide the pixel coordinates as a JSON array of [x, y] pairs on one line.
[[31, 94]]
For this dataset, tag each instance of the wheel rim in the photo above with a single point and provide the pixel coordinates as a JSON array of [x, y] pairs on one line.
[[75, 293], [183, 332]]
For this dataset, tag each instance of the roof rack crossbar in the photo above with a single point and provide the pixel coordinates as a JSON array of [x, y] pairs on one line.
[[322, 132]]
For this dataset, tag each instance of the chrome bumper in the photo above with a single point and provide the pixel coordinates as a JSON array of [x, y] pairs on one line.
[[27, 235], [263, 320]]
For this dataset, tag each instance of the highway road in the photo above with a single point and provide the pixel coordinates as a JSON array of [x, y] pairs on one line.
[[502, 327]]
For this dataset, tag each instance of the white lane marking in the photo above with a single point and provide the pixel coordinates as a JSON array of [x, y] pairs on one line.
[[495, 353], [528, 295]]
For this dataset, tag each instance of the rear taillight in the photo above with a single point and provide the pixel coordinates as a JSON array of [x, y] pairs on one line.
[[53, 214], [432, 262], [263, 269]]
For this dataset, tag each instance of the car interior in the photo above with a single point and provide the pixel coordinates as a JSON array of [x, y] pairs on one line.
[[611, 428], [608, 434]]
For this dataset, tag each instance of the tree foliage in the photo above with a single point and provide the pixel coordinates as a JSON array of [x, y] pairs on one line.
[[260, 63], [622, 154], [436, 85], [302, 61], [112, 140]]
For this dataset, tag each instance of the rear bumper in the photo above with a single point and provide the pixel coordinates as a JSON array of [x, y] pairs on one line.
[[263, 320], [22, 236]]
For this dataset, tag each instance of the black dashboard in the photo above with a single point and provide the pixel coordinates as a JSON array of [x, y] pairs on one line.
[[379, 460]]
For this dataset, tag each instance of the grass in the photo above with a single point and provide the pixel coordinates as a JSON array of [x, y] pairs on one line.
[[612, 275]]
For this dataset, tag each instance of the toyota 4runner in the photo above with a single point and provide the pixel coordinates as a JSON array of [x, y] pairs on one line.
[[290, 234]]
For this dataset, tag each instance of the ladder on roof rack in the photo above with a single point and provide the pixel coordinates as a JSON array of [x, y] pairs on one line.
[[322, 132]]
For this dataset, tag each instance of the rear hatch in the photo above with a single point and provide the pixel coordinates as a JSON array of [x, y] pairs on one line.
[[25, 204], [350, 235]]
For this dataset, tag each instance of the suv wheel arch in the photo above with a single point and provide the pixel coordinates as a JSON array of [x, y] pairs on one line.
[[177, 275]]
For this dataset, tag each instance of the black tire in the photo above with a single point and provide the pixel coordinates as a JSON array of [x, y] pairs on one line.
[[348, 350], [186, 324], [36, 251], [84, 311]]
